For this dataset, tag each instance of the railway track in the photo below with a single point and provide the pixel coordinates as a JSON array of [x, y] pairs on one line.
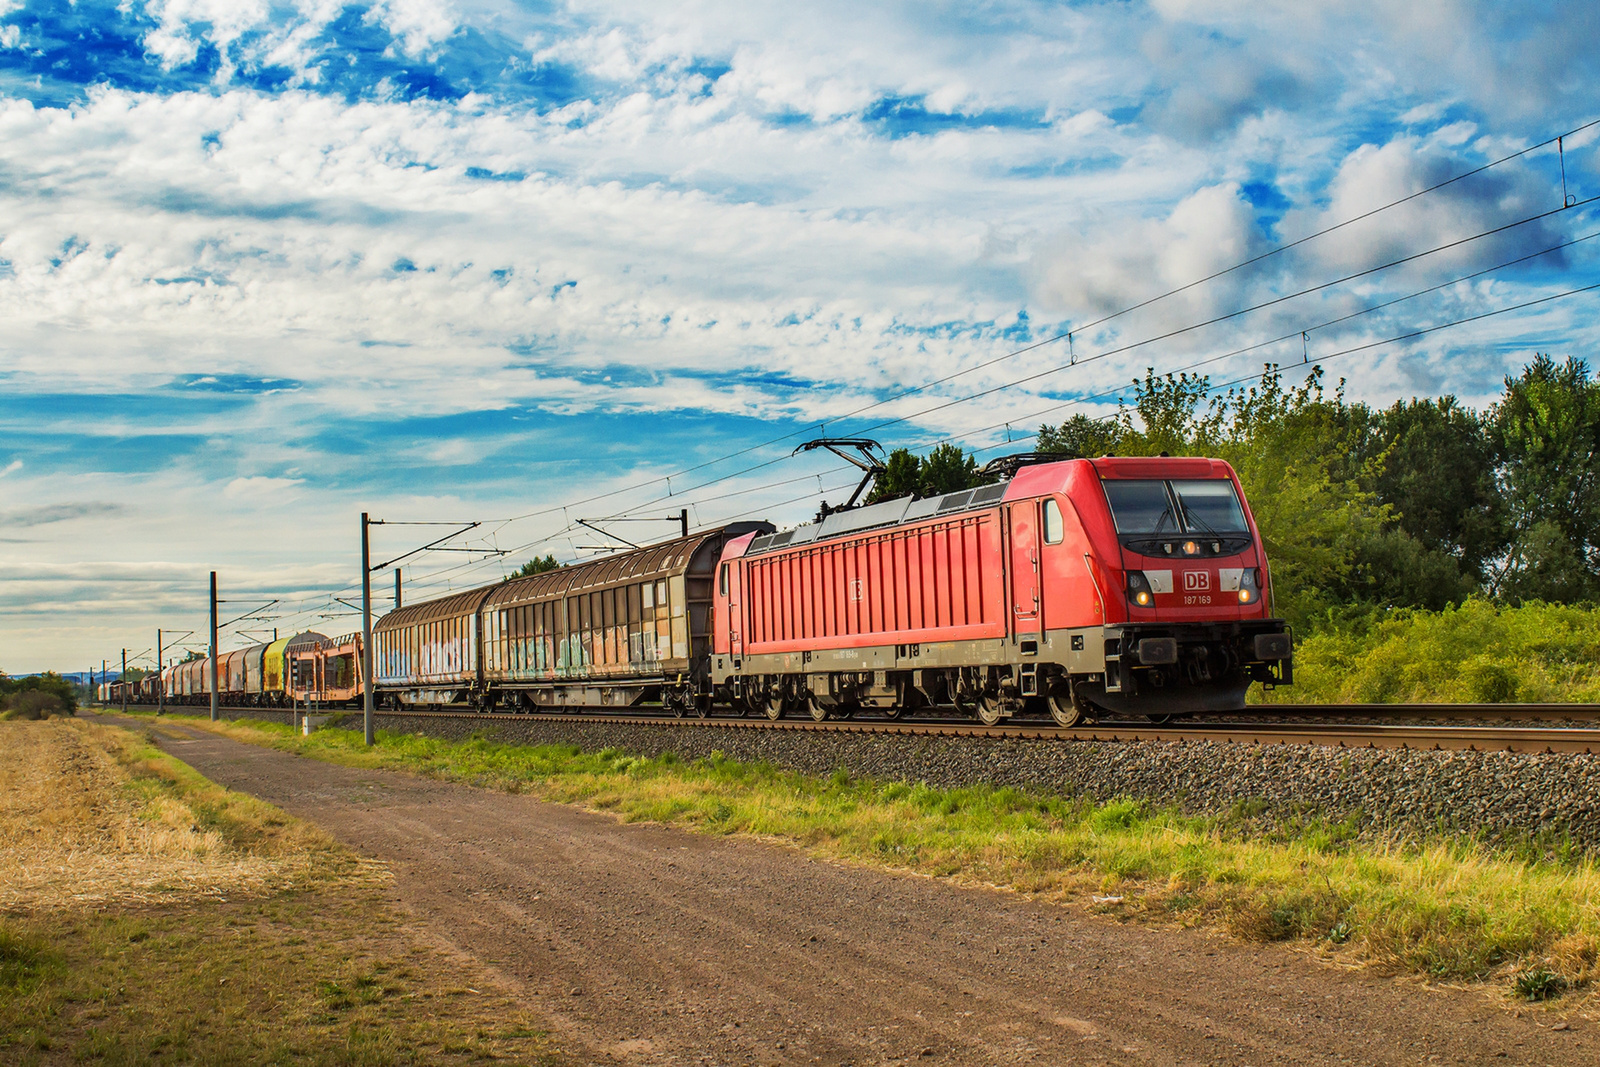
[[1465, 738]]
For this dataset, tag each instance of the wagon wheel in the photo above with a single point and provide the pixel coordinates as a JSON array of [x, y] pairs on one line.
[[672, 702], [700, 702]]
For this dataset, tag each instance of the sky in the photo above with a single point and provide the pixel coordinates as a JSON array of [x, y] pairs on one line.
[[265, 266]]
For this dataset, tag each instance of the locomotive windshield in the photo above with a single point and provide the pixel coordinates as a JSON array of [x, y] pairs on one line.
[[1141, 507], [1157, 507]]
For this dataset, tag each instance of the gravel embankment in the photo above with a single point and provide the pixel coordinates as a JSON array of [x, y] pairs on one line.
[[1503, 797]]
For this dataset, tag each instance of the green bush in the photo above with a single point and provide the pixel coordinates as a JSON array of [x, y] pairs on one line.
[[13, 690], [34, 704], [1478, 652]]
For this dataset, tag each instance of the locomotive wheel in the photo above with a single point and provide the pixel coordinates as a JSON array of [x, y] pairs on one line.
[[1063, 705], [777, 702], [818, 712], [990, 709], [701, 702]]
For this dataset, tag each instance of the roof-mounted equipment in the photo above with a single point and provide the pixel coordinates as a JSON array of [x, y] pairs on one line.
[[1007, 466], [863, 453]]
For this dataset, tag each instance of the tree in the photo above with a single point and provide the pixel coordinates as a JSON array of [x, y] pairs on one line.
[[1083, 436], [946, 469], [1547, 427], [537, 565], [1438, 475], [902, 476]]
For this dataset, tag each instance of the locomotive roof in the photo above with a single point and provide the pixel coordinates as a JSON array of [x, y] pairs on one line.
[[888, 513], [1033, 480]]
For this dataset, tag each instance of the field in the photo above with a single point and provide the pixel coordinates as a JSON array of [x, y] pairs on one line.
[[1446, 910], [146, 912]]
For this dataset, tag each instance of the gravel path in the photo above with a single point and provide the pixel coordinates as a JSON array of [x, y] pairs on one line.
[[646, 944]]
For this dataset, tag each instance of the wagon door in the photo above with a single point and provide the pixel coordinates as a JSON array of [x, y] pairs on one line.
[[1024, 566]]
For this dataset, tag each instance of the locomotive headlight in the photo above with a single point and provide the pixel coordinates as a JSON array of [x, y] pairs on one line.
[[1139, 589], [1191, 549], [1249, 587]]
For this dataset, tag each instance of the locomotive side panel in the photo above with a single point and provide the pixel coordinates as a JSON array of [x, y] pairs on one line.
[[876, 589]]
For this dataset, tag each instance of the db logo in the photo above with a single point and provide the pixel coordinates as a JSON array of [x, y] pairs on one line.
[[855, 589], [1196, 581]]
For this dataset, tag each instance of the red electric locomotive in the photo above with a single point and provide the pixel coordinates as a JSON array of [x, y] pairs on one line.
[[1084, 586]]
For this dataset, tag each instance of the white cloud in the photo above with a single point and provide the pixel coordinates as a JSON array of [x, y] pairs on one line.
[[418, 23], [261, 488], [1116, 263], [674, 262]]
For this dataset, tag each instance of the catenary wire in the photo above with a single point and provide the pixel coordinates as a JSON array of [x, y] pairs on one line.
[[1101, 321]]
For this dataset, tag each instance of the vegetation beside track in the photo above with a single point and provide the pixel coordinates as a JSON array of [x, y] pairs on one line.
[[1479, 652], [1445, 910], [146, 913]]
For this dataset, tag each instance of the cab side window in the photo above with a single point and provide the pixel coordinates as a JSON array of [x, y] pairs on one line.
[[1053, 526]]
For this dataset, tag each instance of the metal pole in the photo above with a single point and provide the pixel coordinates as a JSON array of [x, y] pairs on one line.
[[683, 520], [397, 589], [161, 687], [122, 681], [104, 671], [215, 714], [366, 632]]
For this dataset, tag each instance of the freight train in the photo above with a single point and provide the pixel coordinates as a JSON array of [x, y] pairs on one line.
[[1071, 588]]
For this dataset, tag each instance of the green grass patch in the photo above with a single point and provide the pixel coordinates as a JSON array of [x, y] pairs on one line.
[[1444, 908]]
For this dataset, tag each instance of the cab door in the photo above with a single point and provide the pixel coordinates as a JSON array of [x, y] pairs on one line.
[[1023, 562], [732, 580]]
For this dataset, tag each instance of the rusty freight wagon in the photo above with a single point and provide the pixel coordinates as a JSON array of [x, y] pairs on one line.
[[326, 671], [613, 632]]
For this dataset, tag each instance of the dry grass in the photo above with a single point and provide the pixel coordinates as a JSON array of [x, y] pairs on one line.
[[92, 815], [148, 914]]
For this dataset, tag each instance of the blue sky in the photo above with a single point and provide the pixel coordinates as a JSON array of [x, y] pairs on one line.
[[264, 266]]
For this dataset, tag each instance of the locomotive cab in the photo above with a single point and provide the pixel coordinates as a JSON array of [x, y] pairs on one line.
[[1195, 627]]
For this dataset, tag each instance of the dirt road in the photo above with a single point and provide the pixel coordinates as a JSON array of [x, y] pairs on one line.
[[643, 944]]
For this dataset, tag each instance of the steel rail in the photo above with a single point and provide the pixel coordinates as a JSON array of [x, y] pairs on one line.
[[1336, 735], [1492, 712]]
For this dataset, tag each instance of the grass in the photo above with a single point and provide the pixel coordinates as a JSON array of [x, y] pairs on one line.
[[263, 942], [1446, 909]]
